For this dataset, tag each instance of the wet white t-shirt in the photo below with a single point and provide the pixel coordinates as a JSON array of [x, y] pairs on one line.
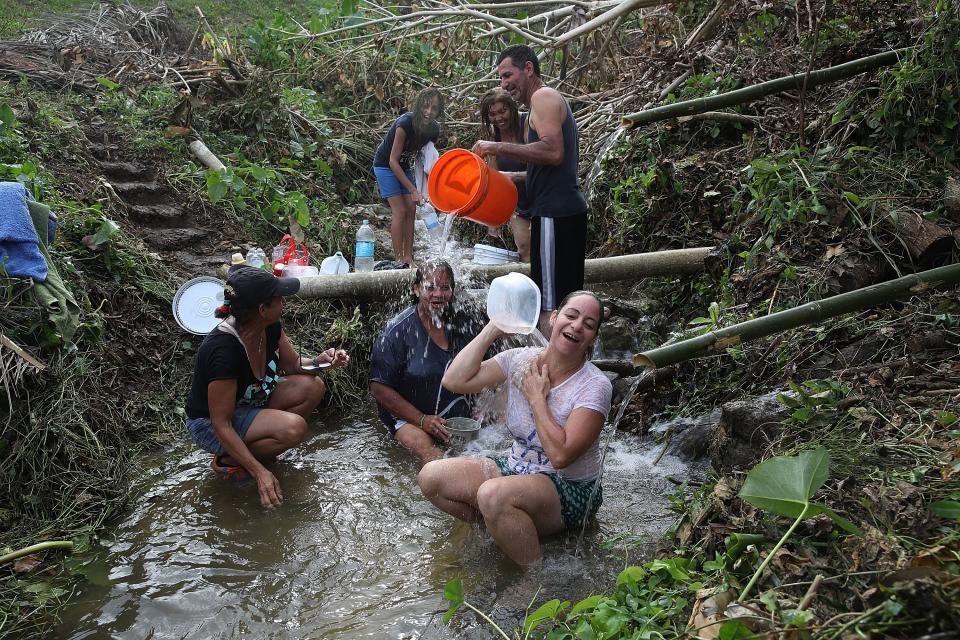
[[587, 388]]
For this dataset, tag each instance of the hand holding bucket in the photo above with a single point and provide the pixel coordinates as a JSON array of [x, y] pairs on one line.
[[463, 184], [513, 303]]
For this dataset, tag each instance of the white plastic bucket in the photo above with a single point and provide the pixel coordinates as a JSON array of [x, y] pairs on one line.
[[513, 303], [300, 271], [485, 254]]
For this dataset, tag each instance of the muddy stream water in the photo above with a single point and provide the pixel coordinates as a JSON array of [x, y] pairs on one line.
[[354, 552]]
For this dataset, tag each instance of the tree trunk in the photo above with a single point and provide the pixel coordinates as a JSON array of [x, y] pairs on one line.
[[382, 284], [733, 98], [927, 242], [716, 341]]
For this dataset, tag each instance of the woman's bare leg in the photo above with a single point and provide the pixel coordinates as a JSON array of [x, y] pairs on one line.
[[518, 511], [300, 394], [521, 236], [402, 212], [451, 484], [283, 424]]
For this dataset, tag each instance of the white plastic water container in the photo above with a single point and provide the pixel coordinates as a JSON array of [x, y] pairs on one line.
[[486, 254], [513, 303], [363, 253], [334, 265]]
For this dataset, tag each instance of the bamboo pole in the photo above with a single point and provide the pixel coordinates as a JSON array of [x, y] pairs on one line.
[[739, 96], [714, 341], [383, 284], [35, 548]]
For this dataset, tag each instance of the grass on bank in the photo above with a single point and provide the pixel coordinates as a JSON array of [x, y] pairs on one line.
[[27, 15]]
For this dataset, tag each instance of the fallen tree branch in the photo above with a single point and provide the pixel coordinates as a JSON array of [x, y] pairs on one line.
[[379, 284], [609, 16], [716, 341], [746, 94], [706, 29]]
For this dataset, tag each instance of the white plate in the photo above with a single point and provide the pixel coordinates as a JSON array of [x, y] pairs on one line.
[[195, 303]]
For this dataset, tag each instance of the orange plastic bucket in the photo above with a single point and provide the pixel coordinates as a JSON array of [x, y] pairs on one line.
[[461, 183]]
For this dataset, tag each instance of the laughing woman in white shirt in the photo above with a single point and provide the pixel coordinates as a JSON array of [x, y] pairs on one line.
[[557, 403]]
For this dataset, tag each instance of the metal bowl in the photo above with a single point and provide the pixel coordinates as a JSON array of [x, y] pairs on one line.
[[462, 430]]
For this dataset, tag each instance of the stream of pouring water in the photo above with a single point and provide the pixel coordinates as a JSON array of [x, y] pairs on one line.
[[628, 396], [596, 167], [445, 234]]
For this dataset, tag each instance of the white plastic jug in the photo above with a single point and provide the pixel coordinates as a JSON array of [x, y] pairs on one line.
[[334, 264], [513, 303]]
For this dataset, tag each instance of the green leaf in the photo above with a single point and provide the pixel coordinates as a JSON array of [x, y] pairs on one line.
[[323, 166], [108, 83], [631, 576], [547, 611], [609, 620], [734, 630], [587, 604], [348, 7], [585, 631], [796, 617], [453, 592], [7, 117], [949, 509], [216, 186], [785, 484], [769, 600], [675, 567], [37, 587], [107, 229], [737, 542]]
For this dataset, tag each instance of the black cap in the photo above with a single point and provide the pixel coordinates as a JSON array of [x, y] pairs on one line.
[[247, 287]]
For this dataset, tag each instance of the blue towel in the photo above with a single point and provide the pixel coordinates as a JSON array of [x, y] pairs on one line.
[[20, 256]]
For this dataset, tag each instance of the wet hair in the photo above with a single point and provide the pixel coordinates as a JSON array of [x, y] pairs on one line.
[[490, 98], [520, 55], [423, 130], [573, 294], [429, 267]]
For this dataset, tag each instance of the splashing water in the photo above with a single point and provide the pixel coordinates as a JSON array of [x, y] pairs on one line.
[[597, 167], [537, 338], [627, 397]]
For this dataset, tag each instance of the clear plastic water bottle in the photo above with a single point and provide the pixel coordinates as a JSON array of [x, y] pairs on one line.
[[363, 254], [428, 214], [256, 257]]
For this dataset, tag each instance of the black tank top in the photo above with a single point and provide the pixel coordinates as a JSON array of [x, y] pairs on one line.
[[506, 163], [554, 191]]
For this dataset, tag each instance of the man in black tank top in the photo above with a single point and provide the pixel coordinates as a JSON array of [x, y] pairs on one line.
[[557, 207]]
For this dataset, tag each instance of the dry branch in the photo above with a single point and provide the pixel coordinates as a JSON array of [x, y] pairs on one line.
[[706, 29]]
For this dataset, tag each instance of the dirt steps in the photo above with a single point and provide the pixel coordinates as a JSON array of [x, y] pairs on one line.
[[156, 211]]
